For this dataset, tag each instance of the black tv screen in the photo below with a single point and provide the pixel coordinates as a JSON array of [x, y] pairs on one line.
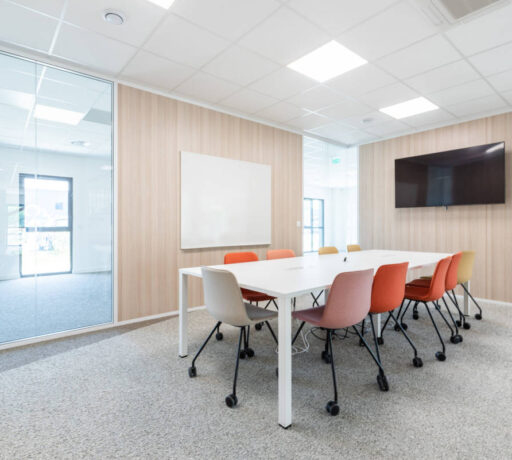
[[474, 175]]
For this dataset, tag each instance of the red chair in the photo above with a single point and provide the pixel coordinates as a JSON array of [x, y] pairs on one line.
[[387, 295], [450, 285], [347, 305], [273, 254], [247, 294], [431, 293]]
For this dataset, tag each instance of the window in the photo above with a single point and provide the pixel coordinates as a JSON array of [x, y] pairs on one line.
[[313, 215]]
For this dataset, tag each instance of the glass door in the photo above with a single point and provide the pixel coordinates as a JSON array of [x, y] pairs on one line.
[[46, 221]]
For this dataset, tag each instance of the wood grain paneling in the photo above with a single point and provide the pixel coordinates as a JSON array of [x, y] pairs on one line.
[[152, 130], [485, 229]]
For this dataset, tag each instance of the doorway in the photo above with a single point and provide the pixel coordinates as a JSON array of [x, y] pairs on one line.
[[46, 224]]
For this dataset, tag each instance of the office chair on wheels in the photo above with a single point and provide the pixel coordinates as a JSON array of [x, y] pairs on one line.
[[347, 305], [224, 302]]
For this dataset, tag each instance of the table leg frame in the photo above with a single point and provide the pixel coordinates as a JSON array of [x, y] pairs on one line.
[[183, 312]]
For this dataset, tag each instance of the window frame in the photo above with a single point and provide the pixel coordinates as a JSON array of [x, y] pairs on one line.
[[314, 227]]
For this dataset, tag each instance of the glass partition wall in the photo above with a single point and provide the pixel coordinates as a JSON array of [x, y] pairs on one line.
[[56, 202], [330, 213]]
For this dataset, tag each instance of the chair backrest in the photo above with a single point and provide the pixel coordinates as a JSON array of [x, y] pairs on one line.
[[223, 297], [353, 247], [452, 273], [438, 282], [240, 257], [349, 299], [280, 254], [328, 250], [466, 263], [388, 287]]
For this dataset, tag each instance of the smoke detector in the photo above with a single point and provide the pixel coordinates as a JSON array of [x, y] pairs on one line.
[[115, 18]]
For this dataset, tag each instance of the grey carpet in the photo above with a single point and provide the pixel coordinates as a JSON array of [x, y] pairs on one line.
[[124, 393], [31, 306]]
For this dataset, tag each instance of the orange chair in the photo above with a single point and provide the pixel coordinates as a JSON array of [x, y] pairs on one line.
[[388, 291], [280, 254], [450, 285], [432, 293], [247, 294]]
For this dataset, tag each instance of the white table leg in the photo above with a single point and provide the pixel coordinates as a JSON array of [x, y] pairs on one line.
[[285, 361], [183, 312], [378, 325], [467, 305]]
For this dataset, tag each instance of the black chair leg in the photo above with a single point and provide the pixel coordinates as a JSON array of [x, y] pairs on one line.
[[315, 298], [381, 378], [383, 328], [298, 332], [440, 355], [438, 309], [232, 400], [271, 331], [462, 317], [457, 338], [219, 335], [362, 330], [401, 319], [416, 361], [332, 406], [192, 372], [479, 314]]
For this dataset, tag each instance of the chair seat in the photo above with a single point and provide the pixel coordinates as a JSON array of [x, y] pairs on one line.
[[254, 296], [421, 282], [413, 292], [258, 314], [310, 315]]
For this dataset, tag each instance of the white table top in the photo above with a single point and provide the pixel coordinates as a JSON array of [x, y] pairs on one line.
[[300, 275]]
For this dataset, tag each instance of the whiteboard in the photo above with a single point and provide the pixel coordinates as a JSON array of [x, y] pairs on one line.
[[224, 202]]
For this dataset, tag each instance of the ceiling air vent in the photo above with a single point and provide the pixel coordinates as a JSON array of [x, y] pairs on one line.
[[451, 11]]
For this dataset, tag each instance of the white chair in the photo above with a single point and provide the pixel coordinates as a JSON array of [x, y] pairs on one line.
[[224, 302]]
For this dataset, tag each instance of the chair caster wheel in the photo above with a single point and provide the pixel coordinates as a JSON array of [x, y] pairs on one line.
[[380, 340], [456, 338], [478, 316], [458, 323], [417, 362], [249, 352], [383, 382], [243, 354], [415, 316], [440, 356], [466, 326], [231, 400], [333, 408], [396, 328], [192, 372], [258, 326], [326, 357], [219, 336], [404, 326]]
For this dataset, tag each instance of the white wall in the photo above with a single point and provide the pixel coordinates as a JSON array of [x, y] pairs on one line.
[[92, 195]]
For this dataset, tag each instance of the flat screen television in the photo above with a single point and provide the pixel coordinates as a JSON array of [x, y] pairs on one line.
[[474, 175]]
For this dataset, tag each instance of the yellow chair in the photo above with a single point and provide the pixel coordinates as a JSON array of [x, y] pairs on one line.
[[465, 273], [328, 250], [353, 247]]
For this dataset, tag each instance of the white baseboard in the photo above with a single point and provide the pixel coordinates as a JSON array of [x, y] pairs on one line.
[[87, 330]]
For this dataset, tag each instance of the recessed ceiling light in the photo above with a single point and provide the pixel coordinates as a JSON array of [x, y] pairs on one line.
[[162, 3], [328, 61], [68, 117], [409, 108], [114, 17]]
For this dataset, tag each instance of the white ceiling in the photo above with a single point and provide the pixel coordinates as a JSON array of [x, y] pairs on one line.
[[232, 54]]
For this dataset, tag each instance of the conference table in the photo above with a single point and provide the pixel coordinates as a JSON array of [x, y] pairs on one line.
[[293, 277]]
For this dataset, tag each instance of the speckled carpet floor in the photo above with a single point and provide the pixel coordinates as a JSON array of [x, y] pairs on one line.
[[124, 393]]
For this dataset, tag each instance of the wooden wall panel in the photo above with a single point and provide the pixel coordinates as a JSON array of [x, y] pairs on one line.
[[152, 130], [485, 229]]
